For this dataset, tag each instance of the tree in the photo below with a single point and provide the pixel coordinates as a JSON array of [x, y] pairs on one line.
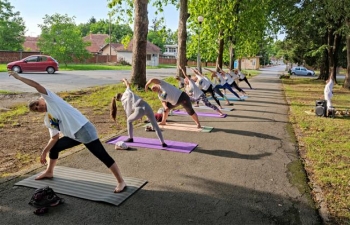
[[61, 38], [12, 28]]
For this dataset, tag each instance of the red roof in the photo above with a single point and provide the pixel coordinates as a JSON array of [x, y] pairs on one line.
[[97, 42], [151, 48], [30, 44]]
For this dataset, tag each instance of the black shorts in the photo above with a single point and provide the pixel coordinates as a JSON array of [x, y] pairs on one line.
[[185, 102]]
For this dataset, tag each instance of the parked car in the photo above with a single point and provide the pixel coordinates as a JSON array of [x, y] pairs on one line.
[[34, 63], [299, 70]]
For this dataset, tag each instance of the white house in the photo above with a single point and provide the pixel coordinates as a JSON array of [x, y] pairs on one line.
[[152, 52], [170, 51]]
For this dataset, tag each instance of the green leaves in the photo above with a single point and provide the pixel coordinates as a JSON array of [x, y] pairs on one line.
[[12, 28], [61, 38]]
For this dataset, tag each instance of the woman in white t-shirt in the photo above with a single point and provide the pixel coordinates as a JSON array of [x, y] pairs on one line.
[[207, 86], [62, 118], [171, 97], [197, 94], [242, 77], [135, 108]]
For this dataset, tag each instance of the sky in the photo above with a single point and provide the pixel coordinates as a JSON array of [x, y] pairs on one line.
[[34, 11]]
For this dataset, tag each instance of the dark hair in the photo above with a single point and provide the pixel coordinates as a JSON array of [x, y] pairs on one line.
[[113, 106]]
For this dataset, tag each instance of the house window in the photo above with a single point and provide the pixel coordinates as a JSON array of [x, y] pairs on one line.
[[148, 57]]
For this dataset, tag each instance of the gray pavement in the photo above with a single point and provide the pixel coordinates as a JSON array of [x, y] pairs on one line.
[[238, 174]]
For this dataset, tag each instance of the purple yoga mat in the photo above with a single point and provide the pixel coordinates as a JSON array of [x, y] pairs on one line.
[[179, 112], [175, 146]]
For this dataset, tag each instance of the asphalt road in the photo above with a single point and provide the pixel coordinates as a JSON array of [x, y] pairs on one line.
[[239, 173], [75, 80]]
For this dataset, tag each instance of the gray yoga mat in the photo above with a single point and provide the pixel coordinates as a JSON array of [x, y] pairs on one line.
[[86, 184]]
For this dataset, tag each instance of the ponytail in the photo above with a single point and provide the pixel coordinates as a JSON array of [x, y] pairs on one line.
[[113, 108]]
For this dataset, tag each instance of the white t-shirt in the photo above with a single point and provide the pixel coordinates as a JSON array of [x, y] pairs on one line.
[[61, 116], [129, 101], [328, 90], [222, 80], [203, 82], [192, 87], [233, 75], [241, 75], [228, 78], [169, 93]]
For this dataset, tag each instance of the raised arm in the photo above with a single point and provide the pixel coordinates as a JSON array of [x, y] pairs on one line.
[[151, 81], [29, 82], [209, 70], [183, 72], [196, 71], [126, 82]]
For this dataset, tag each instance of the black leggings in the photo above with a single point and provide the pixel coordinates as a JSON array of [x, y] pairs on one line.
[[95, 147], [234, 85], [211, 91], [246, 80], [185, 102]]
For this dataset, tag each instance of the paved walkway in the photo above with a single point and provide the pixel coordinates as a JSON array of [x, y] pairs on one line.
[[237, 175]]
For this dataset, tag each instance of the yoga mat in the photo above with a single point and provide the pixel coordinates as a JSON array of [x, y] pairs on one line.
[[175, 146], [206, 107], [86, 184], [184, 127], [230, 98], [179, 112]]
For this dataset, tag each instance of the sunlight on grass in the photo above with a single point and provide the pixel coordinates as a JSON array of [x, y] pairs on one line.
[[3, 68], [325, 141], [8, 117]]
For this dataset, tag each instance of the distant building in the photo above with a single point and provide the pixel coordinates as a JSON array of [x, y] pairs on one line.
[[97, 42], [251, 63], [170, 51], [30, 44], [276, 61], [152, 52]]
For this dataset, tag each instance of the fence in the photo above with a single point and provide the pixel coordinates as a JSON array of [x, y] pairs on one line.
[[189, 62], [10, 56]]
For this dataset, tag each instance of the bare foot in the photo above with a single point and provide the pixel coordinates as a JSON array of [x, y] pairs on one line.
[[161, 123], [199, 126], [45, 175], [120, 187]]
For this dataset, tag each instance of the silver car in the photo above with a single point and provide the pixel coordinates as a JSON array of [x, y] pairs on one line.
[[299, 70]]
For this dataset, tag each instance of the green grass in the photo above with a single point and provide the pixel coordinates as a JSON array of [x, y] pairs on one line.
[[10, 116], [3, 68], [324, 142]]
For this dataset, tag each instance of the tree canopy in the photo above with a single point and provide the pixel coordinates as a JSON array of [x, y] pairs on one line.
[[12, 28], [62, 39]]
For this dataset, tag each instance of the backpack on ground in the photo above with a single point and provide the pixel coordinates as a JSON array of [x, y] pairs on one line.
[[45, 197]]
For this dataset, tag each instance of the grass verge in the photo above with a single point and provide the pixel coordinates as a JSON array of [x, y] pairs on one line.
[[324, 142]]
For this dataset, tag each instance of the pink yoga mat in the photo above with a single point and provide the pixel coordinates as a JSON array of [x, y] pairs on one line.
[[175, 146], [179, 112]]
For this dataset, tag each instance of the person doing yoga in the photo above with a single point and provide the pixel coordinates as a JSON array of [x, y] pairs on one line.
[[242, 77], [171, 97], [230, 79], [197, 94], [223, 84], [61, 118], [206, 86], [135, 108]]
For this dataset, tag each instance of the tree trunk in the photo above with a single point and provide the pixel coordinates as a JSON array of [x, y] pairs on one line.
[[347, 75], [232, 55], [336, 44], [138, 73], [221, 50], [182, 37]]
